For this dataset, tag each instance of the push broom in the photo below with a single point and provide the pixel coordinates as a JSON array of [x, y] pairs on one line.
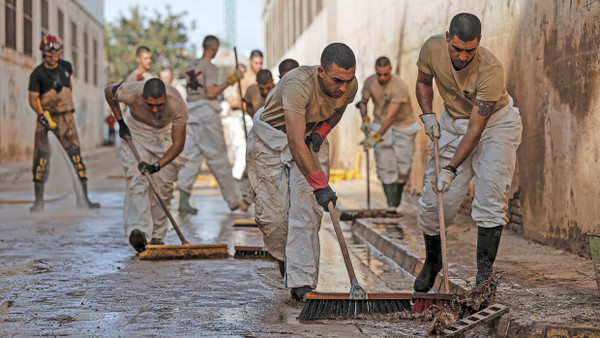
[[357, 302], [423, 300], [185, 250]]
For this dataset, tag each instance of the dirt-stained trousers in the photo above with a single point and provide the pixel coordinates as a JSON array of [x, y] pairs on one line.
[[206, 139], [142, 209], [286, 209], [492, 164], [394, 153]]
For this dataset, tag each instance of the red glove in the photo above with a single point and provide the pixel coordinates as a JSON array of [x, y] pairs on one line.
[[322, 129], [317, 179]]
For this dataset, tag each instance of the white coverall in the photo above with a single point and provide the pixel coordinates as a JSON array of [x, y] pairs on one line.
[[142, 208], [394, 152], [204, 138], [234, 127], [492, 163], [286, 209]]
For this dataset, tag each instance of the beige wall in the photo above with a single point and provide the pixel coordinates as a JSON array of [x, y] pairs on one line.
[[17, 119], [550, 54]]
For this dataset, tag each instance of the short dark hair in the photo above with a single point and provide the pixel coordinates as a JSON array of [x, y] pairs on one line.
[[255, 53], [142, 49], [167, 67], [465, 26], [287, 65], [154, 88], [264, 76], [337, 53], [210, 41], [383, 61]]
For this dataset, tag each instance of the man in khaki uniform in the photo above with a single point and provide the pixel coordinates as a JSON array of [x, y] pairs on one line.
[[395, 125], [290, 190], [143, 56], [479, 136], [257, 93], [157, 128], [205, 131], [50, 83], [287, 65]]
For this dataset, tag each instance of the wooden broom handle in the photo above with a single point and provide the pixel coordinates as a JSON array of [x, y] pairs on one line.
[[335, 219], [158, 196], [240, 91], [442, 221]]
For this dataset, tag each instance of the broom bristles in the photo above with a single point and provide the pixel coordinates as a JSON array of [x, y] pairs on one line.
[[207, 251], [251, 252], [423, 301], [316, 309]]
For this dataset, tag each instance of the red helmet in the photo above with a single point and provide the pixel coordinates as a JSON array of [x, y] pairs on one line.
[[51, 45]]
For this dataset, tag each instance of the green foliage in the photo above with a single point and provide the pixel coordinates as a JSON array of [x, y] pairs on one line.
[[164, 33]]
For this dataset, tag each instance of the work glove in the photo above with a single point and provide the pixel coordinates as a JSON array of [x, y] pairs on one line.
[[366, 126], [124, 132], [446, 176], [235, 77], [46, 120], [432, 127], [150, 168], [325, 195], [370, 142]]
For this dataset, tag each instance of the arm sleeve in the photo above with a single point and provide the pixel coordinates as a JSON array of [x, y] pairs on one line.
[[212, 76], [490, 85], [424, 61], [366, 91], [34, 83], [248, 96], [295, 97]]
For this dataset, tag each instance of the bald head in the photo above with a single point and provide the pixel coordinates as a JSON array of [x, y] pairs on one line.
[[465, 26], [154, 88], [339, 54]]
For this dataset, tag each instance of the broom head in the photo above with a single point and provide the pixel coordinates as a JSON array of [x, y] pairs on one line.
[[186, 251], [423, 301], [341, 306]]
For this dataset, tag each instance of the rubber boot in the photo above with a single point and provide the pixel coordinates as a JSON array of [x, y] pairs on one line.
[[137, 239], [400, 189], [184, 203], [38, 205], [299, 292], [391, 194], [488, 240], [433, 264], [91, 205]]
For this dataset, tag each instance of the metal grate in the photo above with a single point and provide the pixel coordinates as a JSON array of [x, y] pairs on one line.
[[482, 316]]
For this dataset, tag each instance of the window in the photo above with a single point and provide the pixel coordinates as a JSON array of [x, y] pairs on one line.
[[44, 18], [27, 27], [10, 23], [85, 57], [74, 47], [95, 69], [61, 25]]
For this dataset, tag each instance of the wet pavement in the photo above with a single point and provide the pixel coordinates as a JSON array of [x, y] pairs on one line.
[[71, 272]]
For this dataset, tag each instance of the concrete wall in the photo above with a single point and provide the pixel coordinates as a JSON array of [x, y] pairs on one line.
[[17, 119], [550, 54]]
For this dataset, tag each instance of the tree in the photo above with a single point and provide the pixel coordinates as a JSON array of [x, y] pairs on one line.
[[166, 36]]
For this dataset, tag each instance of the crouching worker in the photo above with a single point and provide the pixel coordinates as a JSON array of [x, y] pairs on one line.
[[291, 192], [157, 128]]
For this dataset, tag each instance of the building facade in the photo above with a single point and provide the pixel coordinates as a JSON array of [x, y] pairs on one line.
[[80, 25], [549, 50]]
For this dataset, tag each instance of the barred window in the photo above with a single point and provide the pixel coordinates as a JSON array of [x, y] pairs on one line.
[[44, 18], [27, 27], [61, 25], [10, 23], [95, 69], [74, 48], [85, 57]]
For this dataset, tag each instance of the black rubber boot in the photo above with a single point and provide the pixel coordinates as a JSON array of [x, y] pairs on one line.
[[281, 268], [433, 264], [91, 205], [391, 194], [137, 239], [399, 190], [184, 203], [299, 292], [488, 240], [38, 205]]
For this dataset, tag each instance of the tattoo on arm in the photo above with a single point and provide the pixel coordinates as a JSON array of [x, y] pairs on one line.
[[486, 108]]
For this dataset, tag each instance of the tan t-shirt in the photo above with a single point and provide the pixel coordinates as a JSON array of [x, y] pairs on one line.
[[200, 73], [299, 92], [481, 79], [174, 112], [139, 76], [254, 98], [396, 92]]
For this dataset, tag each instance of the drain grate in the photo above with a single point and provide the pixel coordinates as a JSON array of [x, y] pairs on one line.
[[482, 316]]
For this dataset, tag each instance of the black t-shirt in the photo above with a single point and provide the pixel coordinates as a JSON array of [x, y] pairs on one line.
[[43, 79]]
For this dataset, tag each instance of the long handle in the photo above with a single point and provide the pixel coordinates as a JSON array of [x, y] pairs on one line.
[[356, 291], [241, 98], [442, 221], [368, 183], [158, 196]]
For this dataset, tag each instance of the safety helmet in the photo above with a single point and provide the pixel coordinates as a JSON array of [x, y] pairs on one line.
[[51, 45]]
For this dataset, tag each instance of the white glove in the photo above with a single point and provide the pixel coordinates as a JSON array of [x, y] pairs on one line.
[[432, 127], [443, 184]]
